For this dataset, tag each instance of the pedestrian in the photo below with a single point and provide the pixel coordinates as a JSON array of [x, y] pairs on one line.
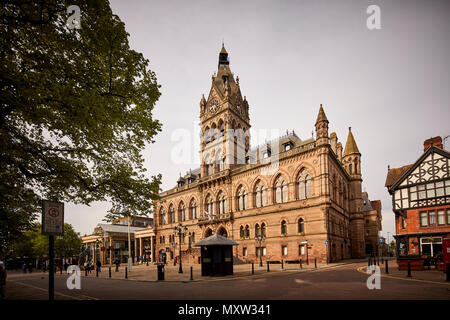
[[2, 280], [85, 265], [89, 267], [66, 265], [30, 267], [117, 263], [44, 266], [24, 267], [99, 266]]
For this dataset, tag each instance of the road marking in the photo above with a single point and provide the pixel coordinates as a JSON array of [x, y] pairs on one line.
[[361, 269], [45, 290]]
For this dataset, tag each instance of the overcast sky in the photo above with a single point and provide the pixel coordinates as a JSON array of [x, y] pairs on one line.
[[390, 85]]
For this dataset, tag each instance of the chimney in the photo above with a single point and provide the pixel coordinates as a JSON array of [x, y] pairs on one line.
[[436, 141]]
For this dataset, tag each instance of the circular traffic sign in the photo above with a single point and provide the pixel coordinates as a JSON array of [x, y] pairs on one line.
[[53, 212]]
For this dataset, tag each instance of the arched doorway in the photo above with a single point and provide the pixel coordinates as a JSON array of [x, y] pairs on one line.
[[208, 233], [222, 232]]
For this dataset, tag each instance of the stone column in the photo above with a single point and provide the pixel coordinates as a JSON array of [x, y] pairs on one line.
[[135, 249], [151, 250], [140, 247]]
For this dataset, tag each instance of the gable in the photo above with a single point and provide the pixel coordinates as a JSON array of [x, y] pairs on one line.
[[435, 166]]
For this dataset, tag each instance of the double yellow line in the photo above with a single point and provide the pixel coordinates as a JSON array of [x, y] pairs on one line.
[[363, 270]]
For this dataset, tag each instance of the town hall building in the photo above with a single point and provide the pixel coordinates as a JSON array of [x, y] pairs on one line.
[[284, 200]]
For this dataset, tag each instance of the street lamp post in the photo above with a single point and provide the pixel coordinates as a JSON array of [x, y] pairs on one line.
[[260, 239], [174, 245], [180, 230]]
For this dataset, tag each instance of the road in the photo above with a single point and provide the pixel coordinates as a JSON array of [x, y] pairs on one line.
[[341, 282]]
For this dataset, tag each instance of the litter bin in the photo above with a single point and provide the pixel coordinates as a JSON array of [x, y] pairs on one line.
[[160, 271]]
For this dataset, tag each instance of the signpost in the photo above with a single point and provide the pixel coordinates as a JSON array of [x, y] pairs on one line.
[[52, 224]]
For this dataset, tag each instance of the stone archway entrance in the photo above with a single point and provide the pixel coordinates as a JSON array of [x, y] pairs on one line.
[[208, 233], [222, 232]]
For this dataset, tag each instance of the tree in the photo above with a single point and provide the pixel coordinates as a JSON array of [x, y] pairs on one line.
[[33, 244], [75, 112]]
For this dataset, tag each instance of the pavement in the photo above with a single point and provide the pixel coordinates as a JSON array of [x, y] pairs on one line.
[[343, 280], [431, 275]]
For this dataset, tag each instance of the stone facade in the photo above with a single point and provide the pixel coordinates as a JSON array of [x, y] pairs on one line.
[[290, 191]]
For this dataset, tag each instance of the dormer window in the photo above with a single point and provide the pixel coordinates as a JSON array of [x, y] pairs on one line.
[[288, 146], [266, 154]]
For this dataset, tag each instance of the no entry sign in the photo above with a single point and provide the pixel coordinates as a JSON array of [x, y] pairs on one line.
[[52, 217]]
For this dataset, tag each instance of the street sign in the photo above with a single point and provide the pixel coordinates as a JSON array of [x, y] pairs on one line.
[[326, 242], [52, 217]]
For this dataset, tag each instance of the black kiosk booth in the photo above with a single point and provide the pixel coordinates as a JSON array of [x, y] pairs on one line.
[[217, 255]]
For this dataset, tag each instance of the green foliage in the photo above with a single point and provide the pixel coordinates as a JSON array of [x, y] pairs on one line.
[[76, 112], [33, 244]]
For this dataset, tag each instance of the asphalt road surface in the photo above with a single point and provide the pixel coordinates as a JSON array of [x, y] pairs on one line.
[[342, 282]]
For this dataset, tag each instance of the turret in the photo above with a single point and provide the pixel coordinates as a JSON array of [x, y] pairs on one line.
[[321, 128], [352, 163]]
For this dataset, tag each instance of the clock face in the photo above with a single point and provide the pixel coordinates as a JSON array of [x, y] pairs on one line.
[[214, 106]]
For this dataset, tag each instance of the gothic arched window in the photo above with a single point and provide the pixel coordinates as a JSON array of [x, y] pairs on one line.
[[242, 199], [263, 229], [209, 205], [241, 232], [171, 214], [281, 194], [247, 231], [260, 195], [163, 217], [193, 209], [304, 185], [182, 212], [222, 203], [257, 230]]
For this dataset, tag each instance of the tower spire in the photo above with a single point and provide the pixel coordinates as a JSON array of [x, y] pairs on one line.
[[223, 56], [350, 144]]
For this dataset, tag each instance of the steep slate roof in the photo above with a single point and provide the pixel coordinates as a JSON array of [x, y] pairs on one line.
[[216, 240], [367, 205], [350, 144], [395, 174]]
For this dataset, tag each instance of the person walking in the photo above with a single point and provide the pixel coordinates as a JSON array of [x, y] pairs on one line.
[[2, 280], [24, 267], [99, 266], [117, 263]]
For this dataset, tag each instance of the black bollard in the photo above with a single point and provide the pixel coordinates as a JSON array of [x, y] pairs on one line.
[[387, 268], [268, 269], [282, 265], [126, 272], [315, 263], [192, 274], [409, 269], [301, 267], [447, 271], [253, 269], [96, 272], [110, 272]]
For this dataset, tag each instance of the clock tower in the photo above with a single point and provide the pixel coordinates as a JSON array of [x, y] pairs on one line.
[[225, 122]]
